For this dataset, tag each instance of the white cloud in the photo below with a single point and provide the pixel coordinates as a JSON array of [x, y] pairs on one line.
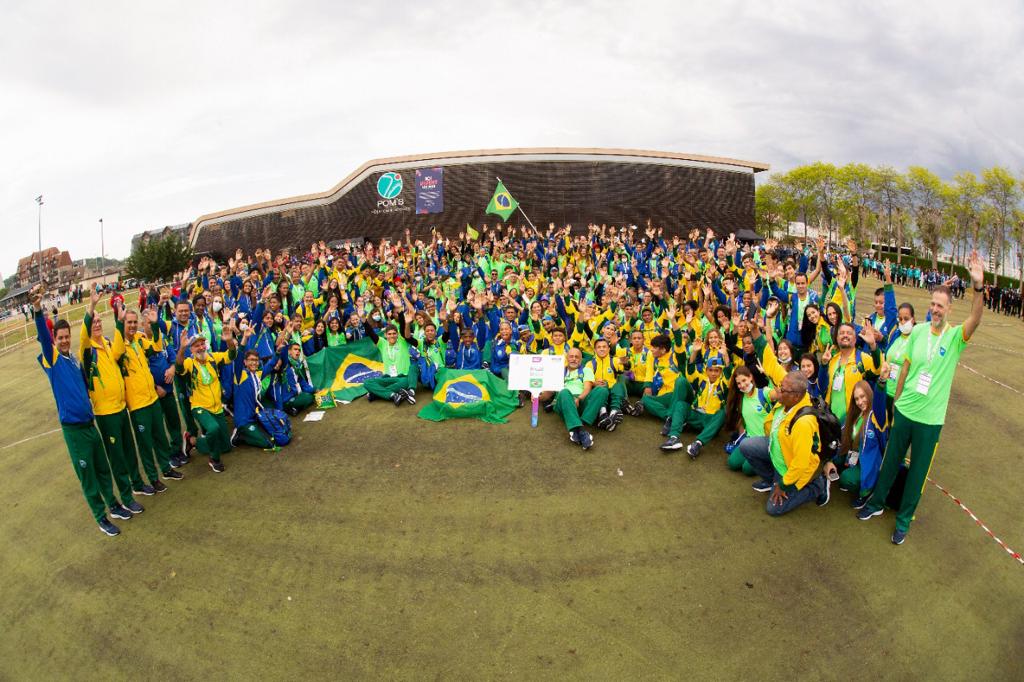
[[151, 114]]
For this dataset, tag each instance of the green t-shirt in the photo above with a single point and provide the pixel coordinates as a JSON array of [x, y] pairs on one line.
[[894, 356], [575, 378], [753, 414], [933, 360], [838, 383]]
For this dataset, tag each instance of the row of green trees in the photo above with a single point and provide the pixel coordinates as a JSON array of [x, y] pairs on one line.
[[915, 208]]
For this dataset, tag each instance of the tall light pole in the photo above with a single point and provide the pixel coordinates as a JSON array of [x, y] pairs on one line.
[[103, 249], [39, 256]]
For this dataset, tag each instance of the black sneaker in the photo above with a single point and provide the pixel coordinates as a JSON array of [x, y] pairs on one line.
[[549, 406], [638, 409], [899, 537], [866, 513], [159, 486], [581, 438], [859, 502], [172, 475], [693, 449], [397, 398], [217, 466], [235, 440], [292, 411], [143, 490], [176, 462], [370, 397], [628, 408], [134, 507], [602, 419], [107, 527], [119, 512], [762, 486], [673, 443], [826, 495], [410, 397], [519, 401], [616, 417], [666, 427]]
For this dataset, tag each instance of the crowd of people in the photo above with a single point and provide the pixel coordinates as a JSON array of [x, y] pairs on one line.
[[695, 333]]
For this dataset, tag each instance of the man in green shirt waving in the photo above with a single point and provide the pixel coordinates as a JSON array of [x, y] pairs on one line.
[[922, 395]]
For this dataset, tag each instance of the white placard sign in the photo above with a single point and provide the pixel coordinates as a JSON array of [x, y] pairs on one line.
[[536, 373]]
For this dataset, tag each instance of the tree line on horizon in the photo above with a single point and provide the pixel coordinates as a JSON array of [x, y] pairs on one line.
[[880, 204]]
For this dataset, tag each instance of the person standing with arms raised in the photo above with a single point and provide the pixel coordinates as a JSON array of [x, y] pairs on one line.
[[77, 418], [922, 395]]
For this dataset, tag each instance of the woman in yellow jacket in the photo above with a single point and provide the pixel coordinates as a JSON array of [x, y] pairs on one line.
[[101, 364]]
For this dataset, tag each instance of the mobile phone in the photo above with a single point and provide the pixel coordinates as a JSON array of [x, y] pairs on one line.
[[833, 476]]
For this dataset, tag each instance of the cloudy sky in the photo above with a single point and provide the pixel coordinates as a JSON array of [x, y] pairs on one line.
[[147, 114]]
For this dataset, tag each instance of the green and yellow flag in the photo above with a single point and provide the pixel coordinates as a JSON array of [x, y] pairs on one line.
[[475, 393], [339, 372], [471, 233], [502, 202]]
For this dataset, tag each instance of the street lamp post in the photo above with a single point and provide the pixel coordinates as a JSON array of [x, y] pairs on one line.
[[39, 253], [103, 250]]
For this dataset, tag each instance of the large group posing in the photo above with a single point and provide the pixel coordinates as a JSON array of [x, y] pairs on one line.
[[698, 331]]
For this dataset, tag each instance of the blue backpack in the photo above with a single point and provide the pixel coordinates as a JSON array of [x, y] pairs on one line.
[[276, 424]]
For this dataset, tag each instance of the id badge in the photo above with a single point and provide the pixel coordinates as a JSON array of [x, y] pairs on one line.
[[837, 382], [393, 372], [894, 372], [924, 381]]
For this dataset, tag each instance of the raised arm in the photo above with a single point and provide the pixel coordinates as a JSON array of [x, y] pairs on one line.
[[977, 270]]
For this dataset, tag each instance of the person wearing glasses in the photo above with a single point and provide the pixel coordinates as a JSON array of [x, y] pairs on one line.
[[787, 458]]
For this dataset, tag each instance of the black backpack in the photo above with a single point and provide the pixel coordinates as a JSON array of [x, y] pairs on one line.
[[829, 429]]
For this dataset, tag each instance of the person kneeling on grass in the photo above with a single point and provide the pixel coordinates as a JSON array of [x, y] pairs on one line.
[[248, 374], [201, 372], [705, 413], [668, 395], [787, 459], [291, 387], [864, 436], [745, 410], [398, 382], [577, 403]]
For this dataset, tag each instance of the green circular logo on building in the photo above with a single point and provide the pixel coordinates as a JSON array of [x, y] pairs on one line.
[[389, 185]]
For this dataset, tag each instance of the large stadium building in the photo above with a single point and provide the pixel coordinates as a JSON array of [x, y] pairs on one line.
[[448, 190]]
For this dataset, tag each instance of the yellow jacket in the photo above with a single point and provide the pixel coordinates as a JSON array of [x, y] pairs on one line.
[[140, 389], [853, 371], [101, 363], [796, 456], [204, 380]]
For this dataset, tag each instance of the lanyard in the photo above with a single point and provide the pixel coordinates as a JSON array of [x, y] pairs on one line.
[[934, 343]]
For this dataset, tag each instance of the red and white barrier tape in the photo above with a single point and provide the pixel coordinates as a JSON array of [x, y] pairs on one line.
[[994, 381], [1015, 555]]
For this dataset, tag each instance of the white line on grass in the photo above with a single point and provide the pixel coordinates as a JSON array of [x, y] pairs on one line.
[[25, 440], [997, 348], [994, 381]]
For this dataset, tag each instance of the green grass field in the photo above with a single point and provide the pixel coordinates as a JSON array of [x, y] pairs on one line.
[[382, 546]]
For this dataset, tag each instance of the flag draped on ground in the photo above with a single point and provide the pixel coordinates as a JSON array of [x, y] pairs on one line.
[[475, 393], [502, 202], [340, 371]]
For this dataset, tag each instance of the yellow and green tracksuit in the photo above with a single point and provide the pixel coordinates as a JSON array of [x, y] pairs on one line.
[[204, 382], [102, 369], [140, 393]]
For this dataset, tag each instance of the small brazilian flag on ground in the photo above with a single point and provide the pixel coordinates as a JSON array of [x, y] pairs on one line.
[[502, 202], [340, 371], [475, 393]]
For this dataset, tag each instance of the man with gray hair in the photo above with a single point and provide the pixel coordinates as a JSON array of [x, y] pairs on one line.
[[787, 458]]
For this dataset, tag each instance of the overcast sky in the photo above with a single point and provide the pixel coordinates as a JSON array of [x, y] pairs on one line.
[[147, 114]]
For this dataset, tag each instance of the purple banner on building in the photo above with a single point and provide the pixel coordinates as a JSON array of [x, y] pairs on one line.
[[429, 190]]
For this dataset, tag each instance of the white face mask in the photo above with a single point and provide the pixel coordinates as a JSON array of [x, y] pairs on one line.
[[216, 306], [784, 358], [906, 327]]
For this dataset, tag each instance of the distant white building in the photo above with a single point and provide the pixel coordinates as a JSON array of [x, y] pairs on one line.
[[797, 229]]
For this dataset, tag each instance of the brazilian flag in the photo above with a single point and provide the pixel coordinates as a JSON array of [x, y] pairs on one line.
[[340, 371], [475, 393], [502, 202]]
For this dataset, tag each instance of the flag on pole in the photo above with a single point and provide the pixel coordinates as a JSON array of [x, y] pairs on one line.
[[471, 233], [502, 202], [476, 393]]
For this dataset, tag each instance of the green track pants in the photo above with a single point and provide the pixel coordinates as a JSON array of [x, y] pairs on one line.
[[216, 438], [922, 440], [151, 437], [90, 464], [116, 430]]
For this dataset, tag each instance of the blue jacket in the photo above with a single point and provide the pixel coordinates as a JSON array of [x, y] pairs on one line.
[[792, 300], [248, 390], [66, 379]]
